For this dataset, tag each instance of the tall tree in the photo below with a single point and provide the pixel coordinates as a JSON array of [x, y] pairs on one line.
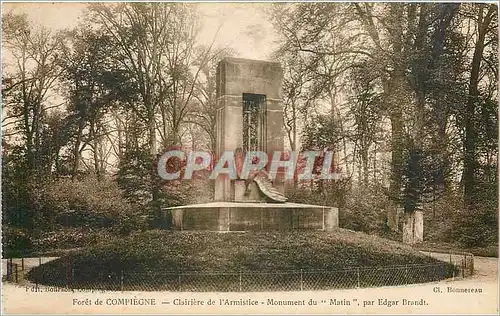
[[484, 18], [30, 74], [202, 110], [156, 46], [364, 108], [409, 48], [141, 35], [89, 72], [35, 54]]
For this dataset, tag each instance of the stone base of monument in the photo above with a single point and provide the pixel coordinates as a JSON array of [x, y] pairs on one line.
[[234, 216]]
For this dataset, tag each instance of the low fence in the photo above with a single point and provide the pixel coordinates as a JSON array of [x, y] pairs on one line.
[[296, 280], [14, 269], [463, 260]]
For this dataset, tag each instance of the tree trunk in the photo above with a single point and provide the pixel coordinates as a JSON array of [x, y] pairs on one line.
[[413, 191], [469, 115], [396, 166], [76, 149], [96, 144], [294, 141], [394, 90], [155, 186], [153, 148], [364, 158]]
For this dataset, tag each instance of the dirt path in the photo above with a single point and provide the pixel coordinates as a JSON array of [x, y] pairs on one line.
[[28, 262], [485, 268]]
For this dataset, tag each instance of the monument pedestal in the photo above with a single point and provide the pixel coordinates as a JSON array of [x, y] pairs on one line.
[[234, 216]]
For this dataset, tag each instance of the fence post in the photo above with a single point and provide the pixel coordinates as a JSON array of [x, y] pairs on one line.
[[463, 268], [180, 282], [472, 265], [121, 280], [67, 274], [39, 261], [357, 277], [301, 279], [406, 274], [240, 280], [17, 272], [9, 270], [11, 274], [22, 264]]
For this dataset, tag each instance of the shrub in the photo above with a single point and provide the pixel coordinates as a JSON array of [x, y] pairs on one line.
[[365, 211], [362, 209], [446, 220], [478, 227], [73, 237], [439, 217], [88, 202], [16, 242]]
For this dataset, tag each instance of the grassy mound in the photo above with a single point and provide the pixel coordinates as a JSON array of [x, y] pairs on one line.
[[166, 260]]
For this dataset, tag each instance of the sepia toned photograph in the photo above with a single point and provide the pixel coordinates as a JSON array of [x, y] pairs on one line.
[[249, 157]]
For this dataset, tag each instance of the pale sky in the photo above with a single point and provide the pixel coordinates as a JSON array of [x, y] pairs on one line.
[[244, 26]]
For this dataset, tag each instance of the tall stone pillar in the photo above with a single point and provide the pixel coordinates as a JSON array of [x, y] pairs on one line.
[[238, 78]]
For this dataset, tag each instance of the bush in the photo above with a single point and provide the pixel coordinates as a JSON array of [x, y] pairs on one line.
[[74, 237], [16, 242], [70, 214], [440, 218], [365, 211], [88, 203], [362, 209], [478, 227], [447, 221], [305, 195]]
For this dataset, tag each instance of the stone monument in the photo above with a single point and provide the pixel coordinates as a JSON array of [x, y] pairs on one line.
[[249, 118]]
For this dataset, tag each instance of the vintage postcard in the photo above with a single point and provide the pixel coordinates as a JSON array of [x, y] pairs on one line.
[[249, 158]]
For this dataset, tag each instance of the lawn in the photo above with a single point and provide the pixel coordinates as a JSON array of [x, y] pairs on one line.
[[160, 257]]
